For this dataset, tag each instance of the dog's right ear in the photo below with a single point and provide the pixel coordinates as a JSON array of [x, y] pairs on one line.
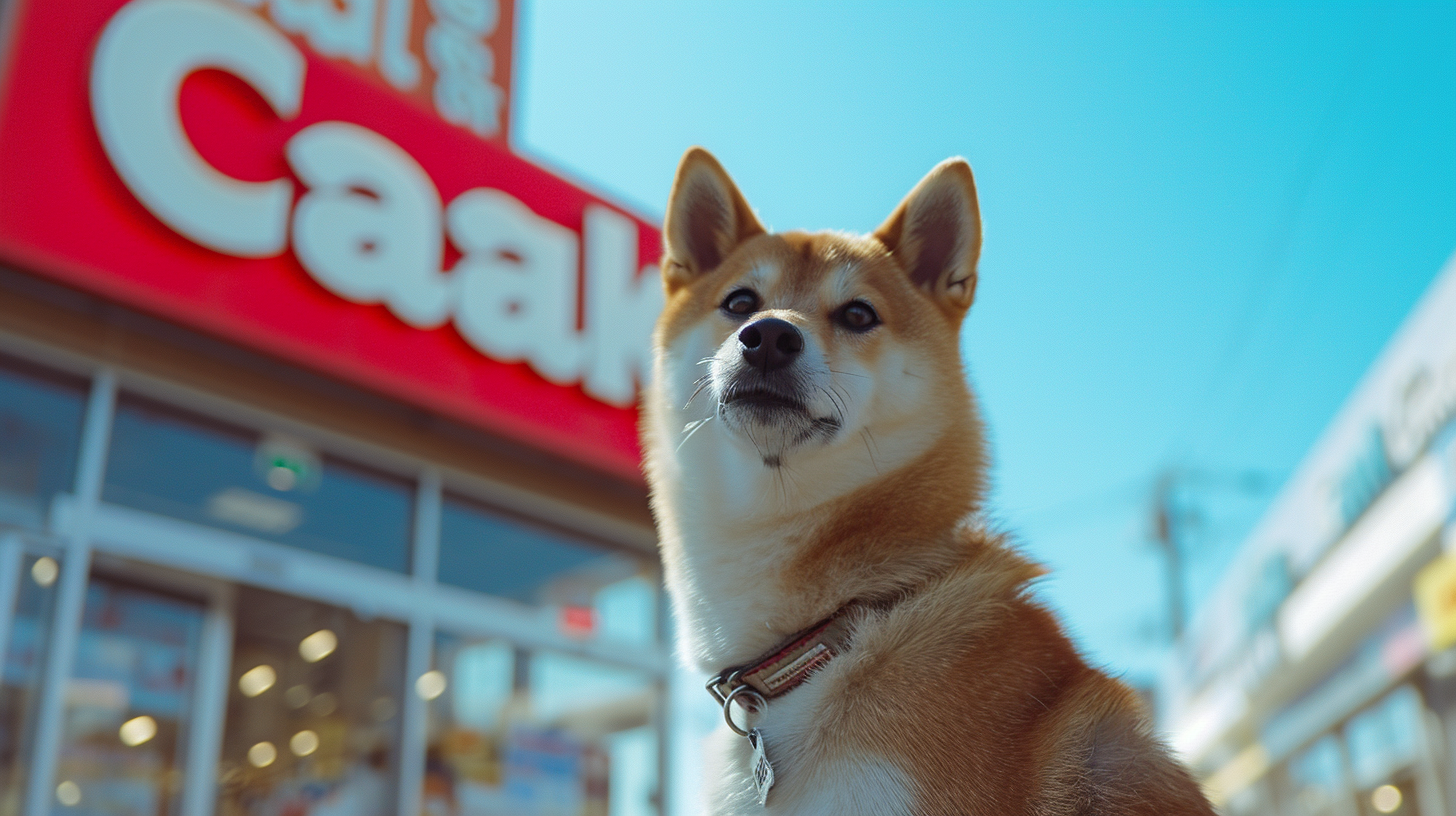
[[706, 219], [935, 234]]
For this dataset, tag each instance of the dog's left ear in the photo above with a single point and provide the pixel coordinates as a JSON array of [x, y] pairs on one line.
[[935, 234]]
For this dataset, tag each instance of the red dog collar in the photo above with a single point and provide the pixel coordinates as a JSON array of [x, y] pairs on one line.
[[784, 669]]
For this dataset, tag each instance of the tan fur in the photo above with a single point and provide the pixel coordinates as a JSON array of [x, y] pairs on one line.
[[958, 694]]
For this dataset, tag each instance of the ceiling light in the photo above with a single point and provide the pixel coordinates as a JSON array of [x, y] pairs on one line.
[[281, 478], [318, 645], [45, 570], [323, 705], [262, 754], [137, 730], [297, 696], [257, 680], [68, 793], [430, 685], [304, 743], [1386, 798]]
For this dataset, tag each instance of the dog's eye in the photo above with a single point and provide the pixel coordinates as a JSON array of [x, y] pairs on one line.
[[857, 315], [741, 302]]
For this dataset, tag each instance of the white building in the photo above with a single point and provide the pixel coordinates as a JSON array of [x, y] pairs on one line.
[[1320, 678]]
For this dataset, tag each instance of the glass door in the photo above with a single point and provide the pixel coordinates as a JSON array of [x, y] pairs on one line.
[[129, 701], [517, 731], [27, 599], [313, 711]]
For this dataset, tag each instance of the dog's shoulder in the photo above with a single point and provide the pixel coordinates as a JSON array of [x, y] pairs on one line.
[[980, 697]]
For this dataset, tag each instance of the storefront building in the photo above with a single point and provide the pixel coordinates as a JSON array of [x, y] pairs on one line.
[[1321, 676], [319, 487]]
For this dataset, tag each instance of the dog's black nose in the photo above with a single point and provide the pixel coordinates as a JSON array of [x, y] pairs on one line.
[[770, 343]]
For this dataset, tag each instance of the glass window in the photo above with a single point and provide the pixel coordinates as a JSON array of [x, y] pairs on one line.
[[313, 711], [1384, 742], [608, 710], [127, 702], [20, 675], [197, 469], [601, 591], [543, 733], [40, 437], [1384, 737], [1317, 778]]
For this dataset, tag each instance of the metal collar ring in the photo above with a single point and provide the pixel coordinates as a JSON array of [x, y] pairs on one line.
[[749, 693]]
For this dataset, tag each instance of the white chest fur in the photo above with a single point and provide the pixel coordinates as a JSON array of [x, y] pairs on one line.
[[817, 774]]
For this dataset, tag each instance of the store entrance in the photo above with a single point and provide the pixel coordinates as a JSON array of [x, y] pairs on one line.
[[313, 710], [189, 694], [130, 700]]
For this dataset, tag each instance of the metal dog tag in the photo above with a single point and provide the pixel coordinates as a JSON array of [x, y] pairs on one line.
[[763, 772]]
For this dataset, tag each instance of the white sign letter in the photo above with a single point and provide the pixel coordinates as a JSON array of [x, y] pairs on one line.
[[146, 51], [335, 29], [517, 283], [621, 307], [369, 226]]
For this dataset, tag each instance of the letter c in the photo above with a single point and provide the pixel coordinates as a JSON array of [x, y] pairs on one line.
[[144, 54]]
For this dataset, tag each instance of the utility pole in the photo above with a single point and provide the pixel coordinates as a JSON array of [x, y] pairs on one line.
[[1166, 532], [1170, 523]]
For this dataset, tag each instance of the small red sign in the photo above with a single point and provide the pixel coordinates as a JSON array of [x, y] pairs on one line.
[[265, 175], [578, 621]]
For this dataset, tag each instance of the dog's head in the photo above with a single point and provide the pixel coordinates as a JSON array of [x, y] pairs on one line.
[[826, 355]]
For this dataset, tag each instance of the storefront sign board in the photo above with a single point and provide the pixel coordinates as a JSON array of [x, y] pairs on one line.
[[255, 171]]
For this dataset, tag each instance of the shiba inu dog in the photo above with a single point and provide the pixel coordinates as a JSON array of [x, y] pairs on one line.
[[817, 469]]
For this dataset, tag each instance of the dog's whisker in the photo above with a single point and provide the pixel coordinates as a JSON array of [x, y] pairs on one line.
[[702, 383], [840, 390], [863, 434], [839, 402], [848, 373], [870, 435], [691, 429], [840, 399]]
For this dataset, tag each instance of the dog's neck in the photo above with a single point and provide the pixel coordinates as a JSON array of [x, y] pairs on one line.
[[757, 553]]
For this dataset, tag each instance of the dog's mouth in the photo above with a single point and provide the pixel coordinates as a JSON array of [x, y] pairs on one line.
[[775, 420], [763, 398]]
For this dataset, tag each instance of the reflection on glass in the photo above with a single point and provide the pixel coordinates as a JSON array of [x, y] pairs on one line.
[[313, 718], [1383, 738], [40, 435], [602, 592], [1384, 746], [128, 702], [20, 677], [170, 462], [1317, 776], [544, 734]]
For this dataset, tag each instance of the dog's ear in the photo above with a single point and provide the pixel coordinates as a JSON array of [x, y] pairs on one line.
[[706, 219], [935, 234]]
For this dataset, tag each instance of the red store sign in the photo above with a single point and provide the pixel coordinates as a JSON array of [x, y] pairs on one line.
[[328, 182]]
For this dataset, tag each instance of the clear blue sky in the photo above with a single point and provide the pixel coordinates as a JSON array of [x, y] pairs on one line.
[[1202, 221]]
